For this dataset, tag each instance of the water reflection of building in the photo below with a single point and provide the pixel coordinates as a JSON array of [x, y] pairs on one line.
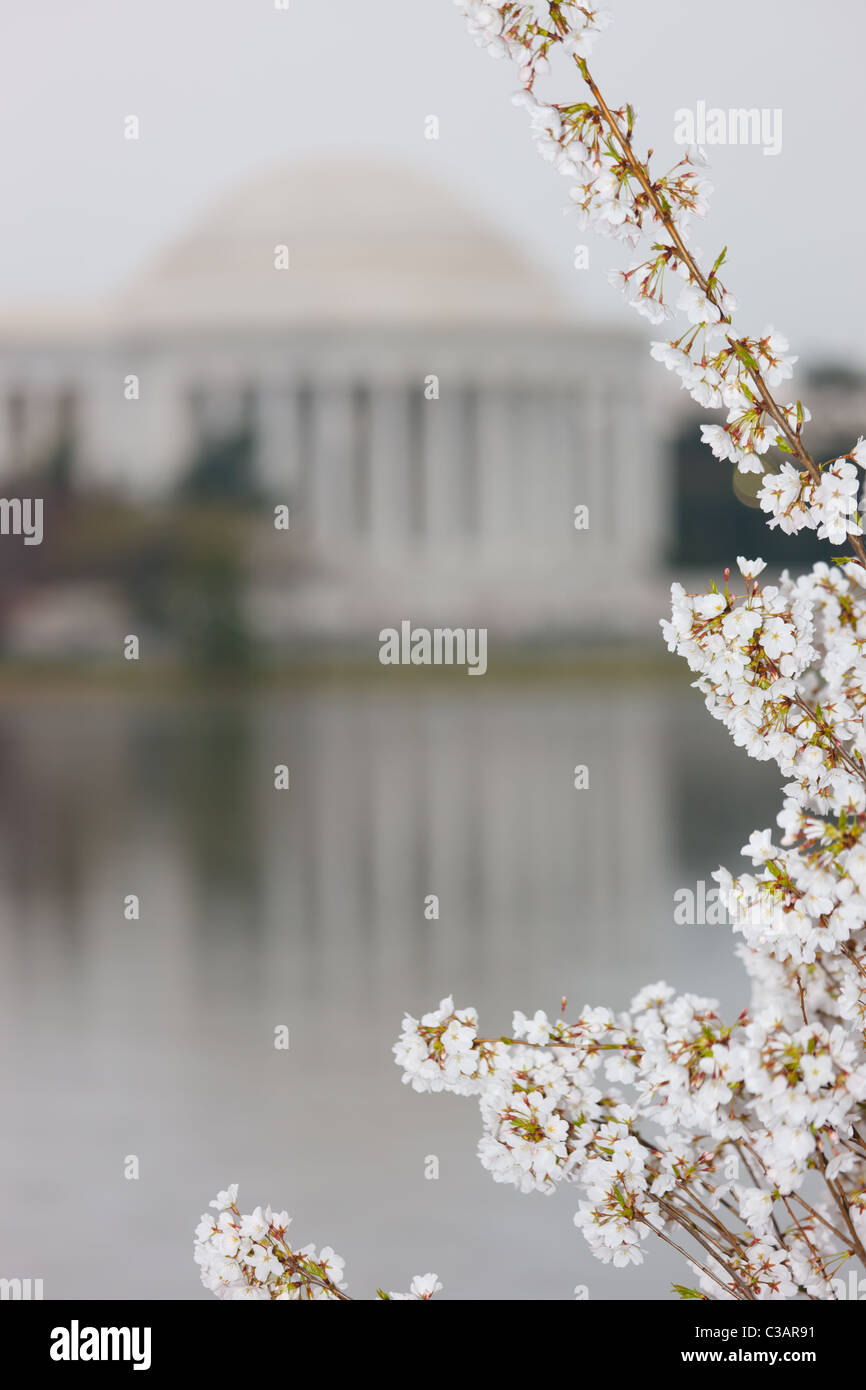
[[306, 908], [396, 794], [460, 507]]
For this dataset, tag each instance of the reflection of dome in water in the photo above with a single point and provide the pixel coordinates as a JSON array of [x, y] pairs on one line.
[[368, 243]]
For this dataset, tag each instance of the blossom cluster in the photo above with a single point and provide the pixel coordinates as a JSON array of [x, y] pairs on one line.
[[651, 1111], [782, 669], [827, 504], [248, 1257], [750, 655]]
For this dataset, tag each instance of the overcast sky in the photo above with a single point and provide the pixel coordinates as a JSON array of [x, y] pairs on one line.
[[224, 88]]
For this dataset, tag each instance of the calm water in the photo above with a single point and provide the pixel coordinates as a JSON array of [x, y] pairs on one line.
[[306, 908]]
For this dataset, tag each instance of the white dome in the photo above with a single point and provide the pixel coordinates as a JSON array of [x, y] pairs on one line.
[[368, 243]]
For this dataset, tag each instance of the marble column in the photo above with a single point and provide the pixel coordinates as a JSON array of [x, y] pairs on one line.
[[495, 449], [332, 464], [564, 444], [539, 481], [390, 460], [641, 498], [593, 466], [277, 448], [445, 479]]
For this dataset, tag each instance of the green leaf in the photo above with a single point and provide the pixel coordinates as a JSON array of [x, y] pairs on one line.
[[745, 356]]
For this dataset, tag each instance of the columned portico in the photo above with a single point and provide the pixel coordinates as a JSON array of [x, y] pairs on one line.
[[462, 502]]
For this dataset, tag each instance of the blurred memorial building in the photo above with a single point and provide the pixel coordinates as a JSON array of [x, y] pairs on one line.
[[349, 340]]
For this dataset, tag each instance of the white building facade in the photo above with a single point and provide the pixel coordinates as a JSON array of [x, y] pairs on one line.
[[411, 389]]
